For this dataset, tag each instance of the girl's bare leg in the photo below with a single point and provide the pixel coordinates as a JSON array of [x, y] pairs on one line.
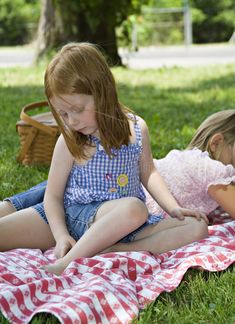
[[114, 220], [167, 235], [6, 208], [25, 229]]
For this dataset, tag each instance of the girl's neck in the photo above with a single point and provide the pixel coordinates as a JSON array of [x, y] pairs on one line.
[[96, 134]]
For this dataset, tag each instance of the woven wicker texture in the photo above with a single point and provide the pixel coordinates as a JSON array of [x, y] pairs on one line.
[[38, 135]]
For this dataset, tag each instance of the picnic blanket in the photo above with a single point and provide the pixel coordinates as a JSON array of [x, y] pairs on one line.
[[109, 288]]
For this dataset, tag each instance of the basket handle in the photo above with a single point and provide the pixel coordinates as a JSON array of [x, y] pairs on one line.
[[45, 128]]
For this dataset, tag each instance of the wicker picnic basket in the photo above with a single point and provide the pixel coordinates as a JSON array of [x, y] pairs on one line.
[[38, 135]]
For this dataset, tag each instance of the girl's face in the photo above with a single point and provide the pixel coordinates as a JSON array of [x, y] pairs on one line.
[[77, 112], [227, 155]]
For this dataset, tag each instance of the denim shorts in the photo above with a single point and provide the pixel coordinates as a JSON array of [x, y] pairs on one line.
[[78, 217]]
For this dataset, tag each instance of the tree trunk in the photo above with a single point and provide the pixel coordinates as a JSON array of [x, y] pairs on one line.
[[50, 29], [104, 36], [60, 23]]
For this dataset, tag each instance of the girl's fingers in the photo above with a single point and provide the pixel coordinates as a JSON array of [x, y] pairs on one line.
[[180, 213], [198, 215], [65, 250], [62, 253], [72, 241], [204, 217]]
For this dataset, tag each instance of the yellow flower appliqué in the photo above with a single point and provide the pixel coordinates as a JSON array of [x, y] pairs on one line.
[[122, 180]]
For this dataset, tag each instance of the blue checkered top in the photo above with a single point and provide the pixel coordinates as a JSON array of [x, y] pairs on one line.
[[105, 178]]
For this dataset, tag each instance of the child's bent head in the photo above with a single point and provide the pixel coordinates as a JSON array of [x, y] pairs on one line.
[[81, 69], [217, 136]]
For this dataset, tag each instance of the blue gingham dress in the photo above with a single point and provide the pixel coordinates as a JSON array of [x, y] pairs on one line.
[[105, 178]]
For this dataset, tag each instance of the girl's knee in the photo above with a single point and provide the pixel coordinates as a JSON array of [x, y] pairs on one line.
[[6, 208], [199, 229], [137, 210], [202, 230]]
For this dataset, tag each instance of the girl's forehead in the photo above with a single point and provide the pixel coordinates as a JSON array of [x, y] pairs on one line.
[[70, 100]]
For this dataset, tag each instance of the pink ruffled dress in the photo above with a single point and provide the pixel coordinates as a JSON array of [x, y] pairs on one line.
[[188, 175]]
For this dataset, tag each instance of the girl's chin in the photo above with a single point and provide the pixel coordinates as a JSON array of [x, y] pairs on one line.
[[95, 133], [82, 131], [87, 131]]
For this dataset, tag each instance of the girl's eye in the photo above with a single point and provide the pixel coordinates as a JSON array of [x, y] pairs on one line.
[[63, 114], [78, 110]]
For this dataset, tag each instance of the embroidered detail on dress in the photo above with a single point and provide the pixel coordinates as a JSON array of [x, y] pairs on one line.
[[108, 176], [123, 191], [112, 190], [122, 180]]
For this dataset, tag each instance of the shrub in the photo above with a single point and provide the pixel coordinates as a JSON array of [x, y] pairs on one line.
[[18, 21]]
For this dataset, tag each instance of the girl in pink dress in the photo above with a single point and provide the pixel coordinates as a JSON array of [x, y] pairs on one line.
[[202, 177]]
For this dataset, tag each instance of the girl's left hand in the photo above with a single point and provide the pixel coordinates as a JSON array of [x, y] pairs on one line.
[[180, 213], [63, 245]]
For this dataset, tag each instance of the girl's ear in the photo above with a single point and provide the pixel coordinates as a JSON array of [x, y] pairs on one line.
[[215, 141]]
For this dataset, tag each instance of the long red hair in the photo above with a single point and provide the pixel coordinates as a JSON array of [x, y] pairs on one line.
[[81, 68]]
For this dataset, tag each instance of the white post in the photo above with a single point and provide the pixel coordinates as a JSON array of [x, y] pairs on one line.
[[188, 35]]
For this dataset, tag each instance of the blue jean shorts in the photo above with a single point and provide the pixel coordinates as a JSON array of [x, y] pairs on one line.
[[78, 217]]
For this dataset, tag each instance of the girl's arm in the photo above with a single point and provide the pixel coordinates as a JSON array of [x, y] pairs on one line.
[[155, 184], [61, 165], [224, 195]]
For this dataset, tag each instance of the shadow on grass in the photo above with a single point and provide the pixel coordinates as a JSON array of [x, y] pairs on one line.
[[172, 114]]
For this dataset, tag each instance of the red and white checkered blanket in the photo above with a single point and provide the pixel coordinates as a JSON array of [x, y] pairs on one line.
[[110, 288]]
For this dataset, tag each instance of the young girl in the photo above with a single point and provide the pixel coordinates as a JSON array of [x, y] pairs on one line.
[[94, 197], [201, 176]]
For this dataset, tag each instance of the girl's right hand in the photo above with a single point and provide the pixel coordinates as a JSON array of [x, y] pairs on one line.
[[63, 245], [180, 213]]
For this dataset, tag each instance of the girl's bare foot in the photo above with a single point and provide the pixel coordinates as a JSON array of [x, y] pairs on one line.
[[57, 268]]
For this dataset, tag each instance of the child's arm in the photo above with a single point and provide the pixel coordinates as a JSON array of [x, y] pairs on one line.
[[61, 165], [156, 185], [224, 195]]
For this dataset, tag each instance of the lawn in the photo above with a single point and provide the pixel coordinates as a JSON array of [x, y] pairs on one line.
[[173, 102]]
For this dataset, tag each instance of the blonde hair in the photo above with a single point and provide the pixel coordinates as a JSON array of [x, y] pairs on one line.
[[221, 122], [80, 68]]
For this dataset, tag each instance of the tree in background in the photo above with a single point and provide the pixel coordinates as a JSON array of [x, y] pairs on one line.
[[213, 21], [97, 21], [94, 21], [156, 26], [18, 21]]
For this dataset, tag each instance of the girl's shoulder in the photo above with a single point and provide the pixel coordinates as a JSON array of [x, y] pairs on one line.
[[193, 155], [185, 157], [62, 149], [133, 118], [141, 123], [138, 128]]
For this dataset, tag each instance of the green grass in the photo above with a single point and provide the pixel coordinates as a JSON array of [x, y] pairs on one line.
[[205, 298], [173, 102]]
